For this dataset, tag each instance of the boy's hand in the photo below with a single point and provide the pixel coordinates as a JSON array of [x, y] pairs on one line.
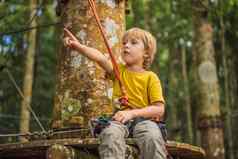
[[123, 116], [70, 40]]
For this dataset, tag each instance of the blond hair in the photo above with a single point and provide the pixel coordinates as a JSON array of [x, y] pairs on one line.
[[149, 43]]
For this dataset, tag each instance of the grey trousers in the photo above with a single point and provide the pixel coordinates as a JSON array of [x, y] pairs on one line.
[[146, 134]]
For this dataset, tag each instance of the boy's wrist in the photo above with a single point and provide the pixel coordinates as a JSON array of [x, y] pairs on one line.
[[134, 113], [79, 46]]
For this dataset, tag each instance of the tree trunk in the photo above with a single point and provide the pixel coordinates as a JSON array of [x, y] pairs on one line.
[[173, 100], [233, 80], [227, 106], [232, 62], [187, 132], [147, 15], [138, 13], [210, 122], [28, 75], [82, 91]]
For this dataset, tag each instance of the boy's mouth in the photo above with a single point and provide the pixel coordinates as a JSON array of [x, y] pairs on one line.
[[126, 52]]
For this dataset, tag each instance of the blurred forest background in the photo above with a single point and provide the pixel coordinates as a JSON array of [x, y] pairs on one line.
[[173, 24]]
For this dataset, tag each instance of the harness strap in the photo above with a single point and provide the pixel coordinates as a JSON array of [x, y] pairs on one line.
[[124, 99]]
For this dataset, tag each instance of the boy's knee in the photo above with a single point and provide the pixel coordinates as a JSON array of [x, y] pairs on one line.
[[148, 132], [113, 132]]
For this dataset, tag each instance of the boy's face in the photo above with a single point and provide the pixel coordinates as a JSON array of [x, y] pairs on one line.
[[133, 51]]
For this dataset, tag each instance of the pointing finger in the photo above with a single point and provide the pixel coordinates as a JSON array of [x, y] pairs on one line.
[[68, 33]]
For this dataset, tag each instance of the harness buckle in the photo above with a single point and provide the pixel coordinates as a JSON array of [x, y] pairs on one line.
[[123, 101], [96, 125]]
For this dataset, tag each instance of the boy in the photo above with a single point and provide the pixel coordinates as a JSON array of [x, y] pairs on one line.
[[146, 103]]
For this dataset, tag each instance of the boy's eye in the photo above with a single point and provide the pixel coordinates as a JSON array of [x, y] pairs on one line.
[[134, 42]]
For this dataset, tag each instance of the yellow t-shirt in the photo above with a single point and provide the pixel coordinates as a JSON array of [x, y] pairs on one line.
[[143, 89]]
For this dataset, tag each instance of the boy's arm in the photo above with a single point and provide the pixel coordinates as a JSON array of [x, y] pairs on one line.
[[97, 56], [93, 54], [154, 111]]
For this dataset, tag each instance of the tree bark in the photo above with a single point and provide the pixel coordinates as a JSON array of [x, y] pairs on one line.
[[147, 15], [227, 106], [82, 91], [58, 151], [188, 128], [232, 62], [210, 122], [138, 12], [173, 100], [28, 75]]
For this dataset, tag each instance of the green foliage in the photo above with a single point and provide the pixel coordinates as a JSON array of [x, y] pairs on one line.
[[14, 20]]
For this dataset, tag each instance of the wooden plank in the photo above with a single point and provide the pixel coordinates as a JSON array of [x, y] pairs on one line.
[[182, 150]]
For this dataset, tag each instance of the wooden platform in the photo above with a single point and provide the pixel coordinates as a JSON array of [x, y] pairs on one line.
[[37, 149]]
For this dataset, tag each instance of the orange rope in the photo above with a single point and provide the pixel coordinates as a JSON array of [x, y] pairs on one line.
[[124, 99]]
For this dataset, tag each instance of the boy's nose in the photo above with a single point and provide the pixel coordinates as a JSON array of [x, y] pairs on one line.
[[126, 45]]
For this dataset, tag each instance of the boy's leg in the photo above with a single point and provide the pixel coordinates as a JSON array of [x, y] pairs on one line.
[[112, 139], [149, 140]]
